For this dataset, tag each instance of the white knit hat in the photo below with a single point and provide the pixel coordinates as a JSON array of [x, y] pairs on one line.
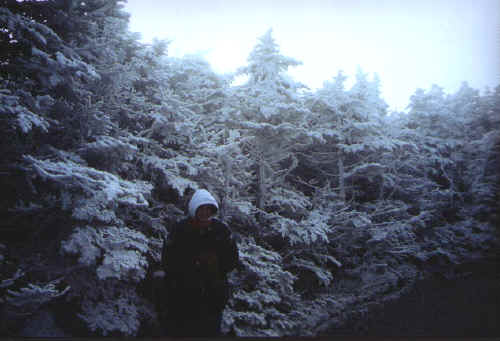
[[201, 197]]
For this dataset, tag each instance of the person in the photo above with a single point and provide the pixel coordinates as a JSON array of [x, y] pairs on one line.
[[197, 256]]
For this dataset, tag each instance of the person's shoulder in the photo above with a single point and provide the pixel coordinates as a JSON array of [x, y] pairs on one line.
[[181, 223], [225, 231], [178, 226], [220, 226], [218, 221]]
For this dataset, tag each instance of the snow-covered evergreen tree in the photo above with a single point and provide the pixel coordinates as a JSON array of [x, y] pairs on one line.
[[63, 148], [265, 125], [271, 116], [350, 122]]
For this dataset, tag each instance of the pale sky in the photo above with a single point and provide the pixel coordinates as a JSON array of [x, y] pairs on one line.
[[410, 43]]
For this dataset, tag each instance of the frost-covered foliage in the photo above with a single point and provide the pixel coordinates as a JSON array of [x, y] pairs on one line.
[[448, 143], [112, 251], [66, 161], [193, 81], [306, 231], [176, 172], [107, 152], [122, 251], [271, 116], [91, 194], [33, 296], [25, 120], [353, 138], [46, 58], [263, 296], [336, 205], [21, 299], [115, 308]]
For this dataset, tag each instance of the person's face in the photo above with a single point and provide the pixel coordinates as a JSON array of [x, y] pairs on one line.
[[204, 213]]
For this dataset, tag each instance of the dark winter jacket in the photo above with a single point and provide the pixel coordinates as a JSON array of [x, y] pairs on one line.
[[196, 263]]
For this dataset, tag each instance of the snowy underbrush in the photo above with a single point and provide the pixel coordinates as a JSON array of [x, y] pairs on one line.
[[382, 263], [263, 294], [374, 254]]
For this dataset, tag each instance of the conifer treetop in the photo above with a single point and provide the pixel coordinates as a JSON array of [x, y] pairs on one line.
[[265, 63]]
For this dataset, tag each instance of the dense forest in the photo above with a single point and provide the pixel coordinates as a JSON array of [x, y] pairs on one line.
[[337, 204]]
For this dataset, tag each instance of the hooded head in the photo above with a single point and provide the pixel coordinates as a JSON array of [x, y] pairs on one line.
[[199, 198]]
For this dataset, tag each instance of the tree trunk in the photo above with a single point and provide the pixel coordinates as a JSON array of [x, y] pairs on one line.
[[262, 186], [341, 177], [226, 190]]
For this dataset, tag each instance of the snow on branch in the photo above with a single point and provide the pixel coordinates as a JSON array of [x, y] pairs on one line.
[[244, 207], [324, 276], [289, 200], [78, 66], [169, 131], [25, 119], [366, 170], [257, 298], [116, 308], [122, 250], [266, 265], [174, 171], [120, 262], [102, 190], [120, 316], [110, 146], [33, 296], [83, 241], [10, 281], [488, 141], [31, 32], [265, 286], [307, 231], [268, 129]]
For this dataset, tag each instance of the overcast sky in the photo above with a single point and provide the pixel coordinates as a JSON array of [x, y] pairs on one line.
[[410, 43]]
